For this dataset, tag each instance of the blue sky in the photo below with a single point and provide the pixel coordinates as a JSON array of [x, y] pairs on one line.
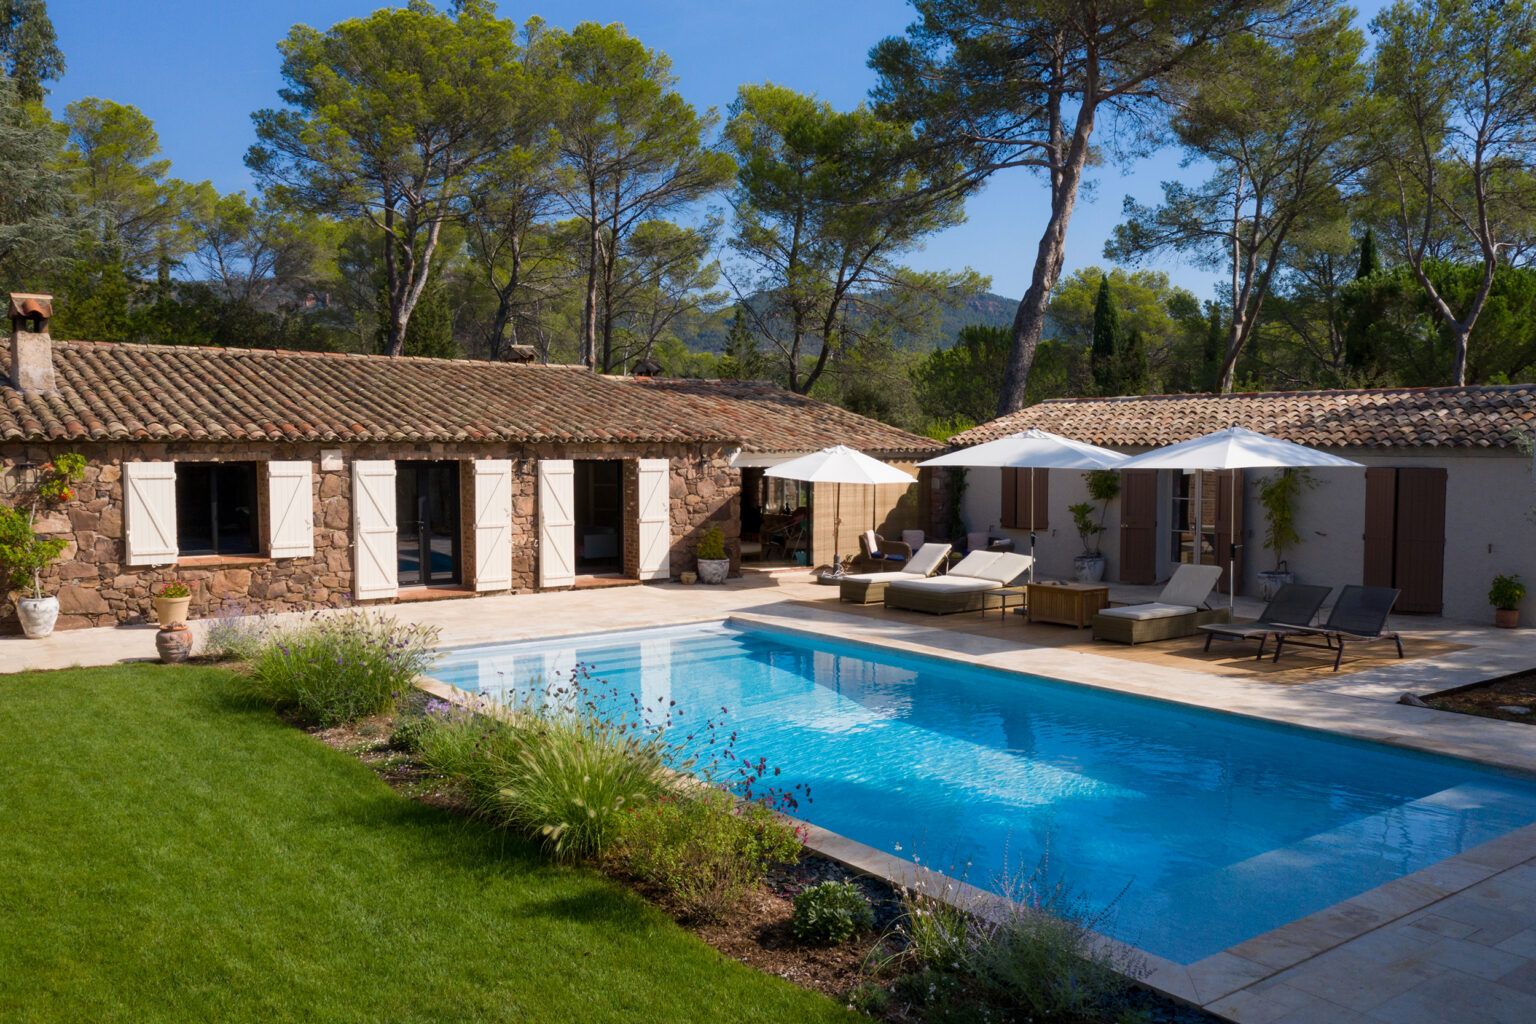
[[198, 69]]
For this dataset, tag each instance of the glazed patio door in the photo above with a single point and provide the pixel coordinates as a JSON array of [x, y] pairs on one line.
[[427, 520]]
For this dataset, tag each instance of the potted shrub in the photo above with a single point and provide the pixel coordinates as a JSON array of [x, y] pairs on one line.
[[1088, 518], [714, 565], [24, 554], [171, 604], [1278, 495], [1505, 595]]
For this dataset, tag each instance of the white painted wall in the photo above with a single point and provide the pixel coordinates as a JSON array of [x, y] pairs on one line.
[[1488, 496]]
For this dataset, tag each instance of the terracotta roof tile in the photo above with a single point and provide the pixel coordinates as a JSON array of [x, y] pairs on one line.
[[124, 392], [767, 418], [1490, 416]]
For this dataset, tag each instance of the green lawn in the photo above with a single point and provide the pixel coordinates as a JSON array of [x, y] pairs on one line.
[[168, 854]]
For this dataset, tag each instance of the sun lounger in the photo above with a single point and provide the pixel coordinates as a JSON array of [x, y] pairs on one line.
[[961, 590], [869, 587], [1293, 602], [1178, 610], [1359, 616]]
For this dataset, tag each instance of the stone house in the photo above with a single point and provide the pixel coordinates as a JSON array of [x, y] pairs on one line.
[[1445, 503], [274, 480]]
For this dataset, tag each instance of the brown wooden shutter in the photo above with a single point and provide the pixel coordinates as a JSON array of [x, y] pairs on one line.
[[1138, 526], [1026, 499], [1380, 526], [1229, 525], [1420, 541]]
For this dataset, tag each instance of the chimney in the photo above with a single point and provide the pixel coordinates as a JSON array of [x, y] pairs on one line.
[[31, 347]]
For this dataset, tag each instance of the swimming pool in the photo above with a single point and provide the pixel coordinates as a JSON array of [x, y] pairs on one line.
[[1216, 828]]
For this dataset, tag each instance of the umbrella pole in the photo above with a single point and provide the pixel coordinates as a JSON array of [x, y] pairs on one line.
[[1231, 545], [837, 531]]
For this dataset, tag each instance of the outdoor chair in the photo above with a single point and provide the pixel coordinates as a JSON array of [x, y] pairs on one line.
[[876, 551], [1293, 602], [1178, 610], [1359, 616], [869, 587], [962, 589]]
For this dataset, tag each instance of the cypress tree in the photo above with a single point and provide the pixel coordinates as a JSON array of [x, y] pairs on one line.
[[1105, 354], [1370, 260], [1133, 364]]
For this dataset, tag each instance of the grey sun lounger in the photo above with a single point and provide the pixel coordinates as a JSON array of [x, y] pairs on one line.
[[1176, 612], [962, 588], [1359, 616], [1293, 602]]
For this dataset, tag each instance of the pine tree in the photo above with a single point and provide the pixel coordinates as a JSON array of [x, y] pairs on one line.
[[742, 359], [1104, 356]]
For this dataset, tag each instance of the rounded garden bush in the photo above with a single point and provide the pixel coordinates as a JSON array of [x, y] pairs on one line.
[[831, 913]]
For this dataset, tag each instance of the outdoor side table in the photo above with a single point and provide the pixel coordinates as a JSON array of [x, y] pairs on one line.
[[1067, 604], [1002, 599]]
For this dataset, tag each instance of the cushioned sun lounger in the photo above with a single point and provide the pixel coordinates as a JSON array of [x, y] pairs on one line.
[[1359, 616], [1178, 610], [961, 590], [1293, 602], [869, 587]]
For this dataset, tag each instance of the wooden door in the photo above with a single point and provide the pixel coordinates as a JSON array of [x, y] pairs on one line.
[[1420, 540], [1380, 526], [1026, 499], [1229, 526], [1138, 526]]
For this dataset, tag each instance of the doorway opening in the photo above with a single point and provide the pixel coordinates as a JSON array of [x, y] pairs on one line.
[[427, 518], [599, 514], [775, 520]]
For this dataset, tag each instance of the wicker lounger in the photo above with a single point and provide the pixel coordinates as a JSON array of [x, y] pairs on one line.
[[938, 601], [869, 587], [1167, 627], [961, 590]]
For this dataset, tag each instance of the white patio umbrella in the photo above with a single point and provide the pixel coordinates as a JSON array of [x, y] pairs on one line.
[[1032, 449], [1233, 449], [839, 465]]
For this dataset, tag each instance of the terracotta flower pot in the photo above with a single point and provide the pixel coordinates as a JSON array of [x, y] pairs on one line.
[[174, 643], [1506, 618], [172, 611]]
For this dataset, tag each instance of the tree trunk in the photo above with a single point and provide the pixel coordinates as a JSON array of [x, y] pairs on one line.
[[589, 320], [1029, 320]]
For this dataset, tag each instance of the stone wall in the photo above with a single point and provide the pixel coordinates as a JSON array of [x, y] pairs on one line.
[[95, 587]]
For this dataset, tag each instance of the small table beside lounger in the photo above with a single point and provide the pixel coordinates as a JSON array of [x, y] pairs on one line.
[[1066, 604], [1004, 598]]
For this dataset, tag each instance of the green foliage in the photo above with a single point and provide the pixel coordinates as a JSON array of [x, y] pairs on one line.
[[230, 636], [24, 554], [40, 224], [467, 749], [1088, 528], [29, 49], [703, 849], [1088, 516], [831, 913], [1278, 494], [957, 480], [1506, 593], [175, 589], [711, 544], [333, 669], [61, 471], [963, 381]]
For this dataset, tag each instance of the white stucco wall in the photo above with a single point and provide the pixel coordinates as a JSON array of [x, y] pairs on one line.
[[1488, 496]]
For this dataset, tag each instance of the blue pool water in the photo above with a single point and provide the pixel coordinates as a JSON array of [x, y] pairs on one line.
[[1216, 828]]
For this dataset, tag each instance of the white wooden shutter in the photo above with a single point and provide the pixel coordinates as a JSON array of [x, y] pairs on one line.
[[149, 512], [375, 561], [557, 523], [655, 524], [290, 510], [493, 524]]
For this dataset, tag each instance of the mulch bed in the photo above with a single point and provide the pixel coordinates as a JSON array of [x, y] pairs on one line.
[[1488, 700]]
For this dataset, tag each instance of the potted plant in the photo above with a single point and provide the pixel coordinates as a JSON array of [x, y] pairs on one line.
[[714, 565], [1278, 494], [1088, 518], [24, 554], [171, 604], [1505, 595]]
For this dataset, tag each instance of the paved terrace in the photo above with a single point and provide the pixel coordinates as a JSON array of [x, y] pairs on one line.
[[1454, 942]]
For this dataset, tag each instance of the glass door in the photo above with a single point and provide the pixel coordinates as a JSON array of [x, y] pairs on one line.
[[427, 518]]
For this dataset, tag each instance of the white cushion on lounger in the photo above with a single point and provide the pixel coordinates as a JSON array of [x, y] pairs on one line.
[[877, 577], [926, 559], [1006, 568], [1150, 610], [975, 563], [950, 584]]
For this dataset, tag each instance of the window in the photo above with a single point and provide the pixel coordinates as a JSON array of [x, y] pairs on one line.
[[216, 508]]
